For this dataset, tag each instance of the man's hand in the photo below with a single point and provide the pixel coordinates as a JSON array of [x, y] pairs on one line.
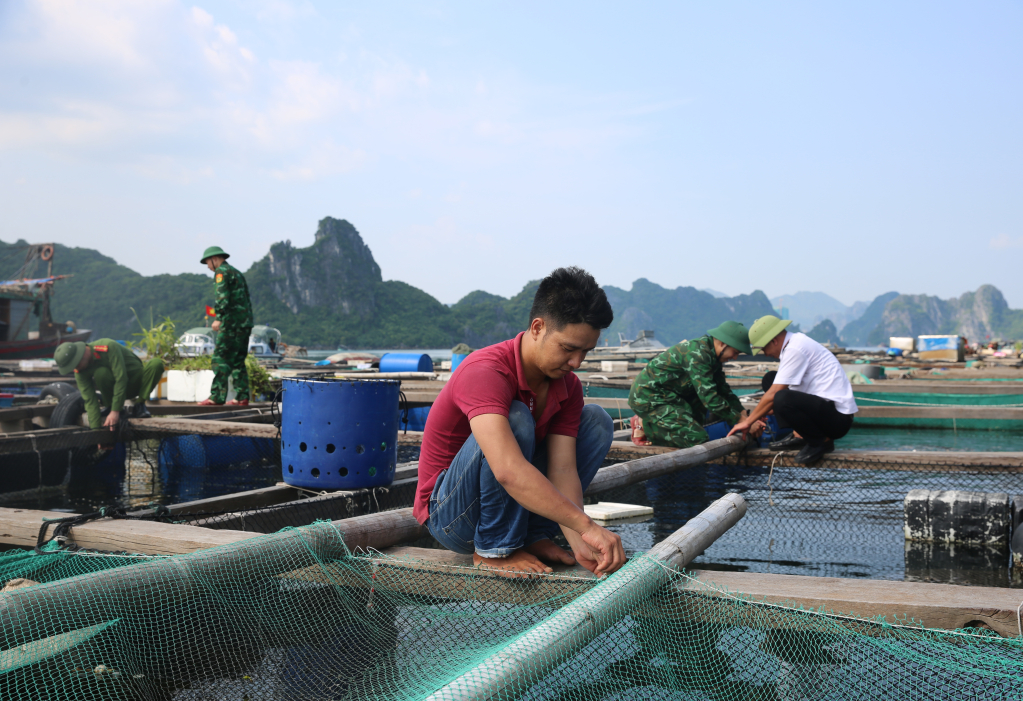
[[112, 418], [216, 325], [742, 427], [605, 550], [757, 428]]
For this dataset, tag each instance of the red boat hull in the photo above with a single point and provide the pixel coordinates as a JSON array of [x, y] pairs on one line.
[[39, 347]]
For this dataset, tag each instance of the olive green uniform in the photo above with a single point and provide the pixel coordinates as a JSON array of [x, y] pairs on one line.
[[676, 389], [117, 374], [234, 311]]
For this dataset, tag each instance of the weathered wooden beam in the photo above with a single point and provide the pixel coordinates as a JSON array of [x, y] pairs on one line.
[[255, 498], [54, 439], [30, 411], [444, 575], [206, 428], [945, 606], [21, 527]]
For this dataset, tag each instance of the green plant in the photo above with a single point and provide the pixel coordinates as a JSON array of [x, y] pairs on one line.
[[260, 381], [158, 340], [199, 362]]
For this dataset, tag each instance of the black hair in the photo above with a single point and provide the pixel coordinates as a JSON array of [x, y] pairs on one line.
[[571, 296]]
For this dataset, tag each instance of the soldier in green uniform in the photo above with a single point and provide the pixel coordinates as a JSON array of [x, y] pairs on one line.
[[233, 311], [109, 368], [674, 392]]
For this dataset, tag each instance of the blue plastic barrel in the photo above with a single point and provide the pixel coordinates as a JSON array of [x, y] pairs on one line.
[[406, 362], [339, 434], [717, 430], [456, 360]]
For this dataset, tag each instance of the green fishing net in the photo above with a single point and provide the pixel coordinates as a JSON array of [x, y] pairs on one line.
[[296, 615]]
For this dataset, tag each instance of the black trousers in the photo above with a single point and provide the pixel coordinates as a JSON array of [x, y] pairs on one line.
[[814, 418]]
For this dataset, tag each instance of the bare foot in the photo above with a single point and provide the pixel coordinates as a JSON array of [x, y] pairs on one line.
[[548, 551], [638, 436], [518, 564]]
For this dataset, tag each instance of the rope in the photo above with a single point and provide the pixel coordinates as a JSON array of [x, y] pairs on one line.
[[621, 421], [770, 489]]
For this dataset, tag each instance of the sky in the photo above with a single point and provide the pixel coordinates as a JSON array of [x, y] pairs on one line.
[[845, 147]]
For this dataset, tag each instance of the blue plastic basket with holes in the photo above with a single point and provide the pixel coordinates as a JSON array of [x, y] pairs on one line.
[[339, 434]]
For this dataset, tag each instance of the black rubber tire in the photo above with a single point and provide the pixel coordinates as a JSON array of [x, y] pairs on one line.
[[68, 411], [58, 390]]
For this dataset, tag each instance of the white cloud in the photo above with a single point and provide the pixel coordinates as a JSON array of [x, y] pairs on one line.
[[326, 159], [1003, 241]]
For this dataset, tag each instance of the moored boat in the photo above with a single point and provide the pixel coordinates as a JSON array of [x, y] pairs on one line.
[[27, 329]]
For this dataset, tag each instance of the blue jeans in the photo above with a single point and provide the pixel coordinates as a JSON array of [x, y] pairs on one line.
[[471, 511]]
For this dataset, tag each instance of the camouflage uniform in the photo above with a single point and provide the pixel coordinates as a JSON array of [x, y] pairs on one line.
[[676, 389], [117, 374], [234, 311]]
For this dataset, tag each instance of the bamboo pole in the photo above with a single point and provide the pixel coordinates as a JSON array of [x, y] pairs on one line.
[[538, 651]]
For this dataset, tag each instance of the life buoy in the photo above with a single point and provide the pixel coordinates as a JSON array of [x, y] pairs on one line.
[[46, 252]]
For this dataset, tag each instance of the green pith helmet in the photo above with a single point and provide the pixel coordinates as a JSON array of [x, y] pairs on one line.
[[68, 355], [213, 251], [733, 334], [764, 330]]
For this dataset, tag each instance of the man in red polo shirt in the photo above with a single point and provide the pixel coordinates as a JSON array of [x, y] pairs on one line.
[[509, 446]]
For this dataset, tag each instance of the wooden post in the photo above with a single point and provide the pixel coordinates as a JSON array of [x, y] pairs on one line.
[[538, 651]]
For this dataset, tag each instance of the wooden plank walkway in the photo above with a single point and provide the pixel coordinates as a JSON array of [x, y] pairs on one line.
[[945, 606], [442, 574]]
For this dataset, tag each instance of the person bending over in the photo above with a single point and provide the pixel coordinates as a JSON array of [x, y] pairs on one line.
[[810, 394], [509, 447], [677, 391], [109, 368]]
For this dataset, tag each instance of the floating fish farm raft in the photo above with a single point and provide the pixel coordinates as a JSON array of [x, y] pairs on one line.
[[185, 564]]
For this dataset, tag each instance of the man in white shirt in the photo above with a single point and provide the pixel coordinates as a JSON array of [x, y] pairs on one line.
[[810, 394]]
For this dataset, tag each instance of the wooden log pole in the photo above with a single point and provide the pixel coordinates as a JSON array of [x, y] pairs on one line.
[[545, 646], [646, 468]]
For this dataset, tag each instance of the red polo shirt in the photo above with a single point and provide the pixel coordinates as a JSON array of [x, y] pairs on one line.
[[486, 383]]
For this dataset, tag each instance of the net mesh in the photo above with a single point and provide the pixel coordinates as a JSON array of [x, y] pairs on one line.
[[296, 615], [859, 501]]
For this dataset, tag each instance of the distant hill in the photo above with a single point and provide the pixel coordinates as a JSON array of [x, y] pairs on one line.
[[333, 293], [681, 313], [824, 332], [857, 333], [977, 315], [810, 308]]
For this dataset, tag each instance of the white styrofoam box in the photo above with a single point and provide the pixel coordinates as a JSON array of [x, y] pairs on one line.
[[903, 343], [614, 365], [609, 511], [445, 365], [43, 364], [192, 385]]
